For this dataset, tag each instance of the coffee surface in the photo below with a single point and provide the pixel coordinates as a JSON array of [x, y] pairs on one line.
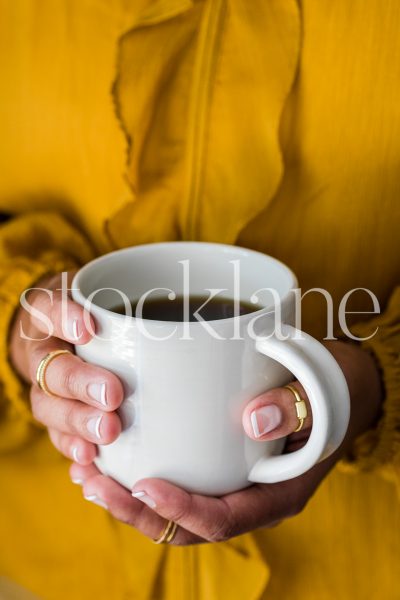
[[163, 309]]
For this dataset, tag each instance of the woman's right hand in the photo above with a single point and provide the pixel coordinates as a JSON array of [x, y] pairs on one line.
[[83, 413]]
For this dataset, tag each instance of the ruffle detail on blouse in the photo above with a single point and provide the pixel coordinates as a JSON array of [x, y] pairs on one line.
[[153, 66], [199, 94]]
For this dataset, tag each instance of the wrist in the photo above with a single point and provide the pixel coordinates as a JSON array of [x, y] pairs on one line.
[[366, 388]]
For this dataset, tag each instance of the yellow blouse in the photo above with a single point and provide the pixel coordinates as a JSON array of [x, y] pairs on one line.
[[274, 125]]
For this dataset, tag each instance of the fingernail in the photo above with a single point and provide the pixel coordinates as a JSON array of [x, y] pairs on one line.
[[265, 419], [143, 497], [74, 453], [73, 329], [97, 391], [78, 481], [93, 426], [96, 500]]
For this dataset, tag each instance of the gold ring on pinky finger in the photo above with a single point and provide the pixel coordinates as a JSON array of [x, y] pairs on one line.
[[300, 406], [42, 367], [167, 534]]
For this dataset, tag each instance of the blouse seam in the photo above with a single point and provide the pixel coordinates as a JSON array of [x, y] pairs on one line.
[[204, 70]]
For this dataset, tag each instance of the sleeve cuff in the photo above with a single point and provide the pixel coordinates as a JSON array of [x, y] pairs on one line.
[[16, 277]]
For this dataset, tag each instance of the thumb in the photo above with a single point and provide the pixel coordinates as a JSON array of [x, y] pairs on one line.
[[273, 415]]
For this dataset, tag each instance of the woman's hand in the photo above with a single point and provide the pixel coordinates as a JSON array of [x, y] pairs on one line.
[[84, 414], [267, 417]]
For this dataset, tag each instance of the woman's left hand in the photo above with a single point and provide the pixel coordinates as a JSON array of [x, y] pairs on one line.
[[269, 416]]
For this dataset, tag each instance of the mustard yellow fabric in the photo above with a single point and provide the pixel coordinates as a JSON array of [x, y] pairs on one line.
[[270, 124]]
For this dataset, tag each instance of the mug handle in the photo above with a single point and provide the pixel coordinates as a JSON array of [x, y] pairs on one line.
[[326, 387]]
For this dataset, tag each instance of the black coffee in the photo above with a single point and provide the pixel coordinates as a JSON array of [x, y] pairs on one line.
[[163, 309]]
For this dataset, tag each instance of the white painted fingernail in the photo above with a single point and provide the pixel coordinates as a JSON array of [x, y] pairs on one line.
[[93, 426], [97, 391], [78, 481], [73, 329], [96, 500], [265, 419], [143, 497], [75, 454]]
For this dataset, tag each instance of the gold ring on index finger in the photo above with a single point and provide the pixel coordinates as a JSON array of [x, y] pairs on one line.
[[300, 406], [42, 367]]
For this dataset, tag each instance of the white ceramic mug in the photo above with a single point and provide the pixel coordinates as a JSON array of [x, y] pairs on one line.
[[184, 398]]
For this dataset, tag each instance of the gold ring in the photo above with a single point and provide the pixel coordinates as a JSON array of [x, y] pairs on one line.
[[301, 407], [167, 534], [42, 367]]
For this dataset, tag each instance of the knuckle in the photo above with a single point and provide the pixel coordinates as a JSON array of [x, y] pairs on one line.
[[221, 530], [276, 396], [125, 517], [182, 510], [280, 395], [224, 526], [70, 382]]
